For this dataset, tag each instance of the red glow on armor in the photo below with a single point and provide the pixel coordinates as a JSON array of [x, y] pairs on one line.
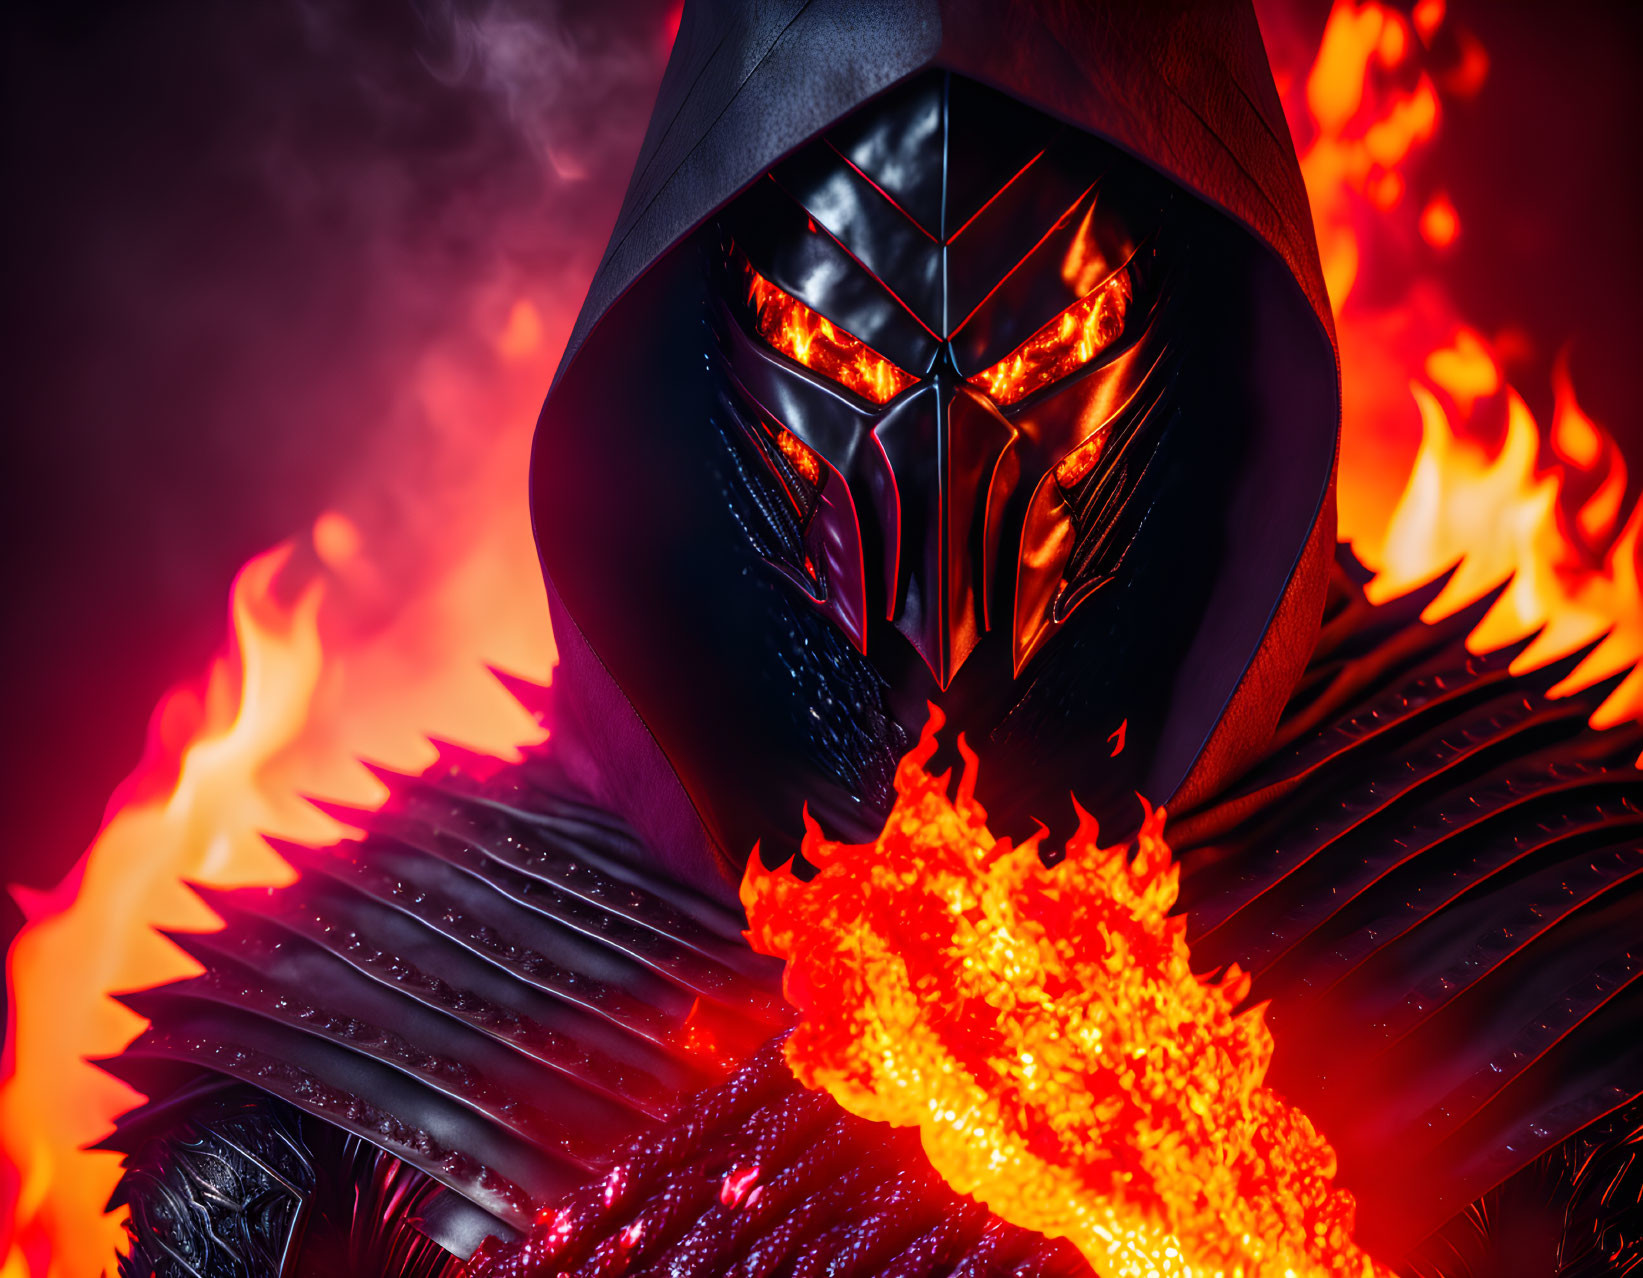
[[737, 1185], [1085, 265], [815, 341], [715, 1040], [1042, 1029], [1064, 345]]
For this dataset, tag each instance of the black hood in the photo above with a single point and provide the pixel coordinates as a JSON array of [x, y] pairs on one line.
[[700, 692]]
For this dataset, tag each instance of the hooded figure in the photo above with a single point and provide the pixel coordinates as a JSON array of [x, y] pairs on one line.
[[941, 355], [956, 353]]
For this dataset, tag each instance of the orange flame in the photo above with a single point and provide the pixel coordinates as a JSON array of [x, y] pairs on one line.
[[1467, 480], [329, 661], [1042, 1029]]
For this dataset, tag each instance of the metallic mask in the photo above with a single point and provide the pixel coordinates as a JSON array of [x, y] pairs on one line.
[[945, 326]]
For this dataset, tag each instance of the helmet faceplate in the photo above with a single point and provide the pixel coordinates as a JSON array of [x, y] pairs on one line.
[[946, 325], [950, 402]]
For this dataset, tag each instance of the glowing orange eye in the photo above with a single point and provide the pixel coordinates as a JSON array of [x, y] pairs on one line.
[[816, 342], [1064, 345]]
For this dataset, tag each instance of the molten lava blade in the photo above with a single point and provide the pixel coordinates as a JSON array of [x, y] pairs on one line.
[[1042, 1029]]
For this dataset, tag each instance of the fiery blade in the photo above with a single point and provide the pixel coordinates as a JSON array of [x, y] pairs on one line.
[[815, 341], [1064, 345], [1043, 1030]]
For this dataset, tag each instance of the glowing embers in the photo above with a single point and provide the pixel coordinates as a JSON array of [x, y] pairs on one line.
[[1043, 1030], [821, 346], [1064, 345], [796, 467], [799, 455], [1075, 467]]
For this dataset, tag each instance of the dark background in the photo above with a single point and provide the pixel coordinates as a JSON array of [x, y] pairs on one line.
[[226, 225]]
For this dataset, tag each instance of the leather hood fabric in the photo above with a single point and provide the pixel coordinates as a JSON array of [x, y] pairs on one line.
[[677, 685]]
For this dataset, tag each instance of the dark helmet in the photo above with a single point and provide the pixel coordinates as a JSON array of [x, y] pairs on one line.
[[939, 355], [946, 324]]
